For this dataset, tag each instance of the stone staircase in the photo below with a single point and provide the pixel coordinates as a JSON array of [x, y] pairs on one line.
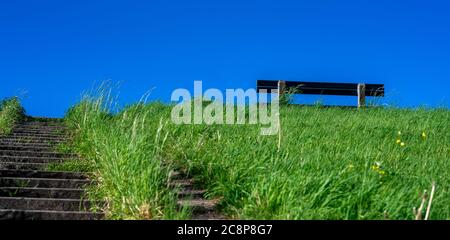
[[192, 197], [27, 189]]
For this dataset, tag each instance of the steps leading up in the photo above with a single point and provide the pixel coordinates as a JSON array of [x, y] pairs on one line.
[[68, 193], [27, 147], [192, 197], [27, 190], [20, 214], [35, 154], [41, 174], [52, 204], [26, 159], [22, 166], [43, 182]]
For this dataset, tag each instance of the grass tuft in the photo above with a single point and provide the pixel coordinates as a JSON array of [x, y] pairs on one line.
[[123, 152], [11, 112]]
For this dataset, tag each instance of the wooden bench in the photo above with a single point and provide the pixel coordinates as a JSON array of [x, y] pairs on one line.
[[360, 90]]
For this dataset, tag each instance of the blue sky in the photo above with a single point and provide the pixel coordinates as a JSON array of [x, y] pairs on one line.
[[51, 51]]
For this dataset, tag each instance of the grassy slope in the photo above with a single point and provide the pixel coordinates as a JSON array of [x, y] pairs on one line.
[[326, 168], [123, 152], [327, 165], [11, 112]]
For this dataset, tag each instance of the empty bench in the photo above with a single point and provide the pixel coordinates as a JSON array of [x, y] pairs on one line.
[[361, 90]]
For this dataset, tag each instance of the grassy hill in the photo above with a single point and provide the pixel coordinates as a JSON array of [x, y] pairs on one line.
[[333, 163], [11, 112]]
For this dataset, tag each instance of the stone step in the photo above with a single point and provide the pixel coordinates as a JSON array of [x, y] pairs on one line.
[[38, 130], [54, 204], [198, 205], [34, 125], [36, 154], [41, 174], [28, 147], [51, 130], [45, 122], [191, 193], [38, 135], [17, 214], [19, 128], [22, 166], [24, 159], [30, 142], [24, 144], [181, 183], [10, 138], [43, 182], [67, 193], [176, 175], [39, 126]]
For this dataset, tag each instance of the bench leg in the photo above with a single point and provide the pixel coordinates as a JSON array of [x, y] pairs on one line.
[[281, 87], [361, 95]]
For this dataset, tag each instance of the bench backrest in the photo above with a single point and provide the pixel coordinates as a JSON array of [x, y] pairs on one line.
[[323, 88]]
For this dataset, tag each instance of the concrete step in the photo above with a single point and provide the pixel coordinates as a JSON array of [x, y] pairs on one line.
[[39, 130], [18, 214], [32, 125], [30, 129], [198, 205], [176, 175], [67, 193], [28, 147], [39, 135], [43, 123], [43, 182], [33, 129], [36, 154], [181, 183], [10, 138], [42, 174], [24, 159], [37, 143], [22, 166], [54, 204], [36, 135], [24, 144], [190, 193]]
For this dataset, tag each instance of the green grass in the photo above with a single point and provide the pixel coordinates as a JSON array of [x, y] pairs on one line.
[[325, 168], [123, 153], [71, 166], [11, 112], [333, 163]]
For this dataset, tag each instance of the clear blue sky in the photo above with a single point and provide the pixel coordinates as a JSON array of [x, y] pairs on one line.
[[50, 51]]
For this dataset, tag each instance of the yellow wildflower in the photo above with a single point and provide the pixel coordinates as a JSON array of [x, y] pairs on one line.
[[424, 135], [376, 167], [398, 141], [402, 144]]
